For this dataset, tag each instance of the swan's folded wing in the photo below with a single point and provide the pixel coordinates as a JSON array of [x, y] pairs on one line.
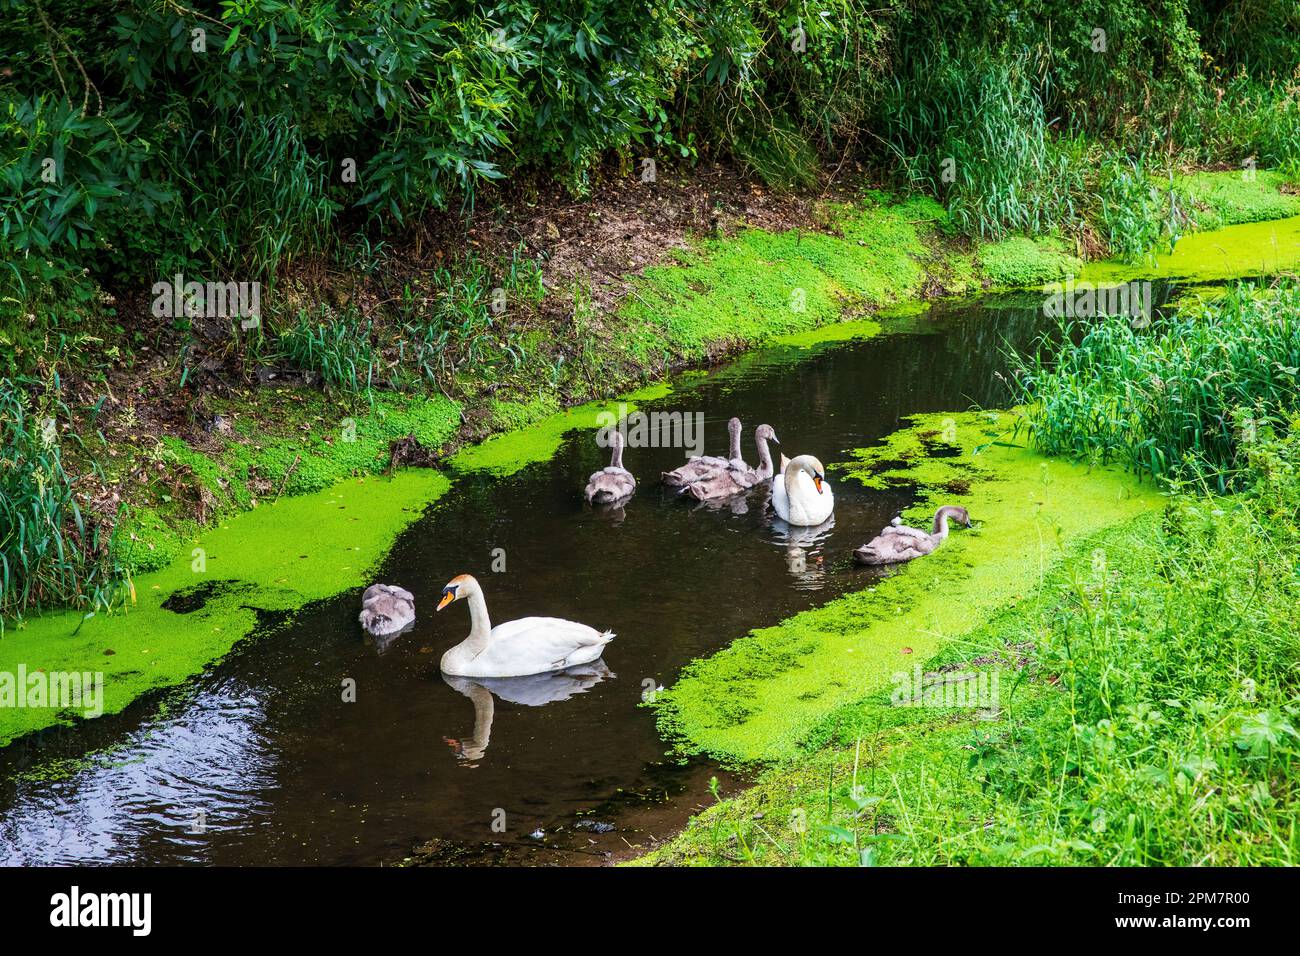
[[547, 643], [697, 469], [722, 485], [905, 531], [889, 548]]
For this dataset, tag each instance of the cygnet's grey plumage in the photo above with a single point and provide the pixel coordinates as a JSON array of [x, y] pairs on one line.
[[386, 609], [614, 483], [703, 467], [899, 543], [738, 476]]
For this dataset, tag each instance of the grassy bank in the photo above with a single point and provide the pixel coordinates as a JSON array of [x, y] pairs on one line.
[[1144, 705]]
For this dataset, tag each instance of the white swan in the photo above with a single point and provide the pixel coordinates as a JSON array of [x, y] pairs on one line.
[[801, 495], [530, 645]]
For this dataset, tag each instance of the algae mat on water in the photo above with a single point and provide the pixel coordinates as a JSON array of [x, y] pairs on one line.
[[1233, 252], [277, 557], [753, 701]]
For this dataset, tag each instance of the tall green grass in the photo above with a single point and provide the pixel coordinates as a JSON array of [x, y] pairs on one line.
[[463, 317], [973, 129], [1177, 400], [1132, 212], [336, 346], [457, 318], [51, 552]]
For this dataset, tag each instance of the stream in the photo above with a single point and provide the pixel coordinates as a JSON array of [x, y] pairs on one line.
[[260, 761]]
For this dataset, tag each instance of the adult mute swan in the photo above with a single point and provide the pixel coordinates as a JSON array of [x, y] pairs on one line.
[[530, 645], [706, 466], [738, 476], [386, 609], [801, 494], [899, 543], [613, 483]]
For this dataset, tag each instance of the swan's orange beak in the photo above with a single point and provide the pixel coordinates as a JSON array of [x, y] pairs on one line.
[[448, 596], [817, 481]]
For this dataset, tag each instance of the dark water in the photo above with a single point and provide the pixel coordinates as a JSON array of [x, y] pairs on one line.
[[263, 760]]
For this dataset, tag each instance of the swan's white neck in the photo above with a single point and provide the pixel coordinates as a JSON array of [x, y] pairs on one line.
[[791, 479], [480, 625]]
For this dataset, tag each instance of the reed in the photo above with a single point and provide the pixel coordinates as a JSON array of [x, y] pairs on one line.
[[51, 552], [1179, 400], [335, 346]]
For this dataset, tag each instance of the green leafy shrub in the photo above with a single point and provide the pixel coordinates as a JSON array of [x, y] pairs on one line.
[[224, 139]]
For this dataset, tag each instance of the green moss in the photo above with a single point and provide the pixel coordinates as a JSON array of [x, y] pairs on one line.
[[231, 494], [958, 273], [757, 285], [509, 416], [508, 453], [1019, 262], [309, 445], [277, 557], [1234, 252], [1230, 198], [339, 446], [754, 700], [149, 541]]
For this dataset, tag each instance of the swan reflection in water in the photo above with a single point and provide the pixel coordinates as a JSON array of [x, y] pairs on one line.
[[737, 504], [535, 690], [803, 551]]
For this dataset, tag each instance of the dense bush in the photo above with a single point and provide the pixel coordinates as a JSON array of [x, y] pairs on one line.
[[232, 130], [143, 138]]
